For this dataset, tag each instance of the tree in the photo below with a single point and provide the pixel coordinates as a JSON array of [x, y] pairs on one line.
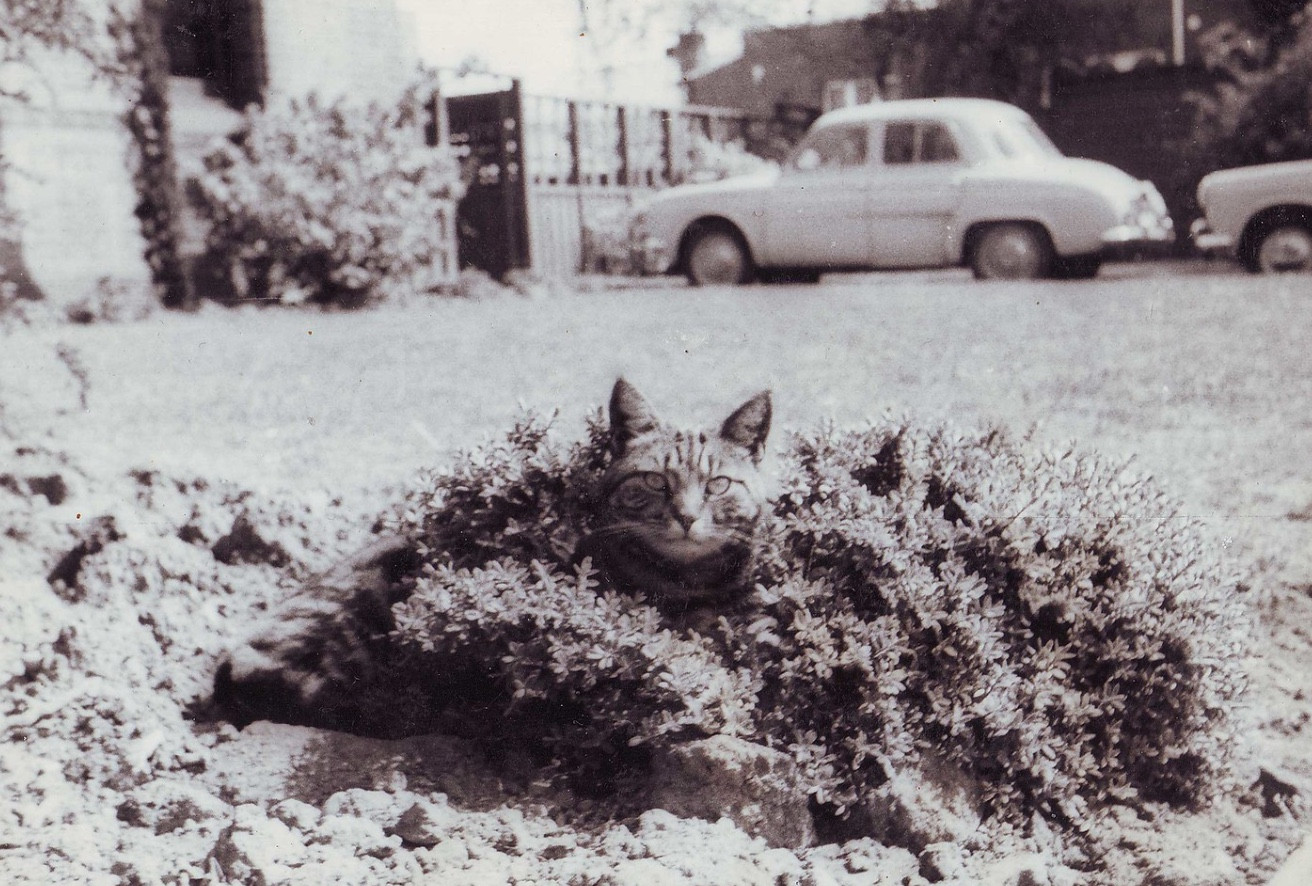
[[1003, 49], [1261, 109]]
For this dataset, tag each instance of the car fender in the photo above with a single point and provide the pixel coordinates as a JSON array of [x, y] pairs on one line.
[[1231, 198], [739, 201], [1075, 216]]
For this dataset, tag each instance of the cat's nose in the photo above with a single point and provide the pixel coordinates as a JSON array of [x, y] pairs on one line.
[[685, 520]]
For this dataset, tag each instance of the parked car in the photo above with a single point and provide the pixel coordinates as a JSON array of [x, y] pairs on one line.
[[1261, 215], [906, 184]]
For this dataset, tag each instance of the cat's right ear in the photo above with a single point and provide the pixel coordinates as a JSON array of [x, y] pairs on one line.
[[630, 415]]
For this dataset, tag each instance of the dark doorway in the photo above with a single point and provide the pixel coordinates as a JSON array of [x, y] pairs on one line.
[[220, 42]]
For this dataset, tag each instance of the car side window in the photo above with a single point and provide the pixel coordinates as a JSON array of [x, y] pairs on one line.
[[937, 144], [900, 142], [834, 147], [925, 141]]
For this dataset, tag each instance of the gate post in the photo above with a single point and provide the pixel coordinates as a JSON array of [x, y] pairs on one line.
[[514, 191]]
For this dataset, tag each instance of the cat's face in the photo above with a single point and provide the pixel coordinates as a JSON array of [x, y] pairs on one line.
[[678, 510]]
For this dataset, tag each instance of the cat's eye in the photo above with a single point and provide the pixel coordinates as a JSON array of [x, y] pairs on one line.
[[654, 481], [718, 485]]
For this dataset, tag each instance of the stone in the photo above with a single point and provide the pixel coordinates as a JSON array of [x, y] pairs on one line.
[[421, 825], [296, 814], [941, 861], [1276, 790], [723, 777], [245, 544], [935, 802], [1025, 869]]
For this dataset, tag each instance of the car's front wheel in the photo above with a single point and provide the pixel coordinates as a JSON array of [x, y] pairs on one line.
[[717, 257], [1286, 247], [1011, 251]]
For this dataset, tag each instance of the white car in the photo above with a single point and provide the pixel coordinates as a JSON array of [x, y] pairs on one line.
[[906, 184], [1262, 215]]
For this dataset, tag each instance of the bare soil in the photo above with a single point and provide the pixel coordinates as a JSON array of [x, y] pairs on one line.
[[118, 595]]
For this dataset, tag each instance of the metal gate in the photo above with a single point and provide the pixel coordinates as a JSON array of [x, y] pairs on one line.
[[546, 174], [492, 220]]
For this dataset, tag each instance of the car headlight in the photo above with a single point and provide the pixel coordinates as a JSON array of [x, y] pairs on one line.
[[1148, 211]]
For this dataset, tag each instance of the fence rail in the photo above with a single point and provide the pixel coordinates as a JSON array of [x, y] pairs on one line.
[[585, 161]]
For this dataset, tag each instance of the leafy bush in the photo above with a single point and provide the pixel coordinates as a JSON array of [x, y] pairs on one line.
[[329, 203], [711, 161], [608, 244], [1049, 623], [1261, 112]]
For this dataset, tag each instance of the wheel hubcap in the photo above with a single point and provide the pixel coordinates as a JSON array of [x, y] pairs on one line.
[[1286, 249], [716, 259], [1012, 254]]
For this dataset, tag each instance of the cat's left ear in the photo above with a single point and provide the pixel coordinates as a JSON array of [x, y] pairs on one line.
[[750, 425]]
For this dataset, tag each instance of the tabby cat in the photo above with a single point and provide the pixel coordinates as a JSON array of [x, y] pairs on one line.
[[676, 518], [678, 511]]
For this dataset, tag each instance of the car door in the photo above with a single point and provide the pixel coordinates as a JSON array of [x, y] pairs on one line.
[[918, 188], [816, 212]]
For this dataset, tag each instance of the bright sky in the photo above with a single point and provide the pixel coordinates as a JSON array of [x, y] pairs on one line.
[[540, 42]]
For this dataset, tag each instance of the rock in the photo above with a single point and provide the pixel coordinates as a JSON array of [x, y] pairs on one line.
[[941, 861], [932, 803], [360, 836], [245, 544], [1276, 789], [647, 871], [1025, 869], [379, 807], [295, 814], [277, 760], [95, 536], [53, 487], [1297, 869], [722, 777], [422, 825], [165, 805], [256, 849]]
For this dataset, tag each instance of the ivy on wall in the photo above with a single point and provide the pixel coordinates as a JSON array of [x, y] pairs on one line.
[[145, 65]]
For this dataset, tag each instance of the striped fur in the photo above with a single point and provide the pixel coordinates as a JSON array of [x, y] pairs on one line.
[[678, 510], [676, 519]]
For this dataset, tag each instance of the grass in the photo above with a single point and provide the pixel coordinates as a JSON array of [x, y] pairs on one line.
[[1205, 376]]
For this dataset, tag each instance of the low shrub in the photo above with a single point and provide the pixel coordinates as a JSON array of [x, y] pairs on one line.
[[1049, 623], [329, 203], [608, 245]]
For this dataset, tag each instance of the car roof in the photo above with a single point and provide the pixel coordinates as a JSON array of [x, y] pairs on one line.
[[971, 108]]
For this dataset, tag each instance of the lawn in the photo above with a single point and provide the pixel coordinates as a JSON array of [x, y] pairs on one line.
[[1198, 373], [1204, 378]]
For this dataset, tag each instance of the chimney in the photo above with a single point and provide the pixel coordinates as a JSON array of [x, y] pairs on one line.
[[689, 52]]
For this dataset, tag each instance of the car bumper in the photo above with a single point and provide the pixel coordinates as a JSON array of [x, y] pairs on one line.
[[1136, 240], [1210, 242]]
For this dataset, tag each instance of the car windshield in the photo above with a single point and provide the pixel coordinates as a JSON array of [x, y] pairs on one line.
[[1023, 139]]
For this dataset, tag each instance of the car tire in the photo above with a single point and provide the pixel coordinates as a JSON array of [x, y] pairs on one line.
[[1285, 247], [1077, 267], [1011, 251], [717, 257]]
